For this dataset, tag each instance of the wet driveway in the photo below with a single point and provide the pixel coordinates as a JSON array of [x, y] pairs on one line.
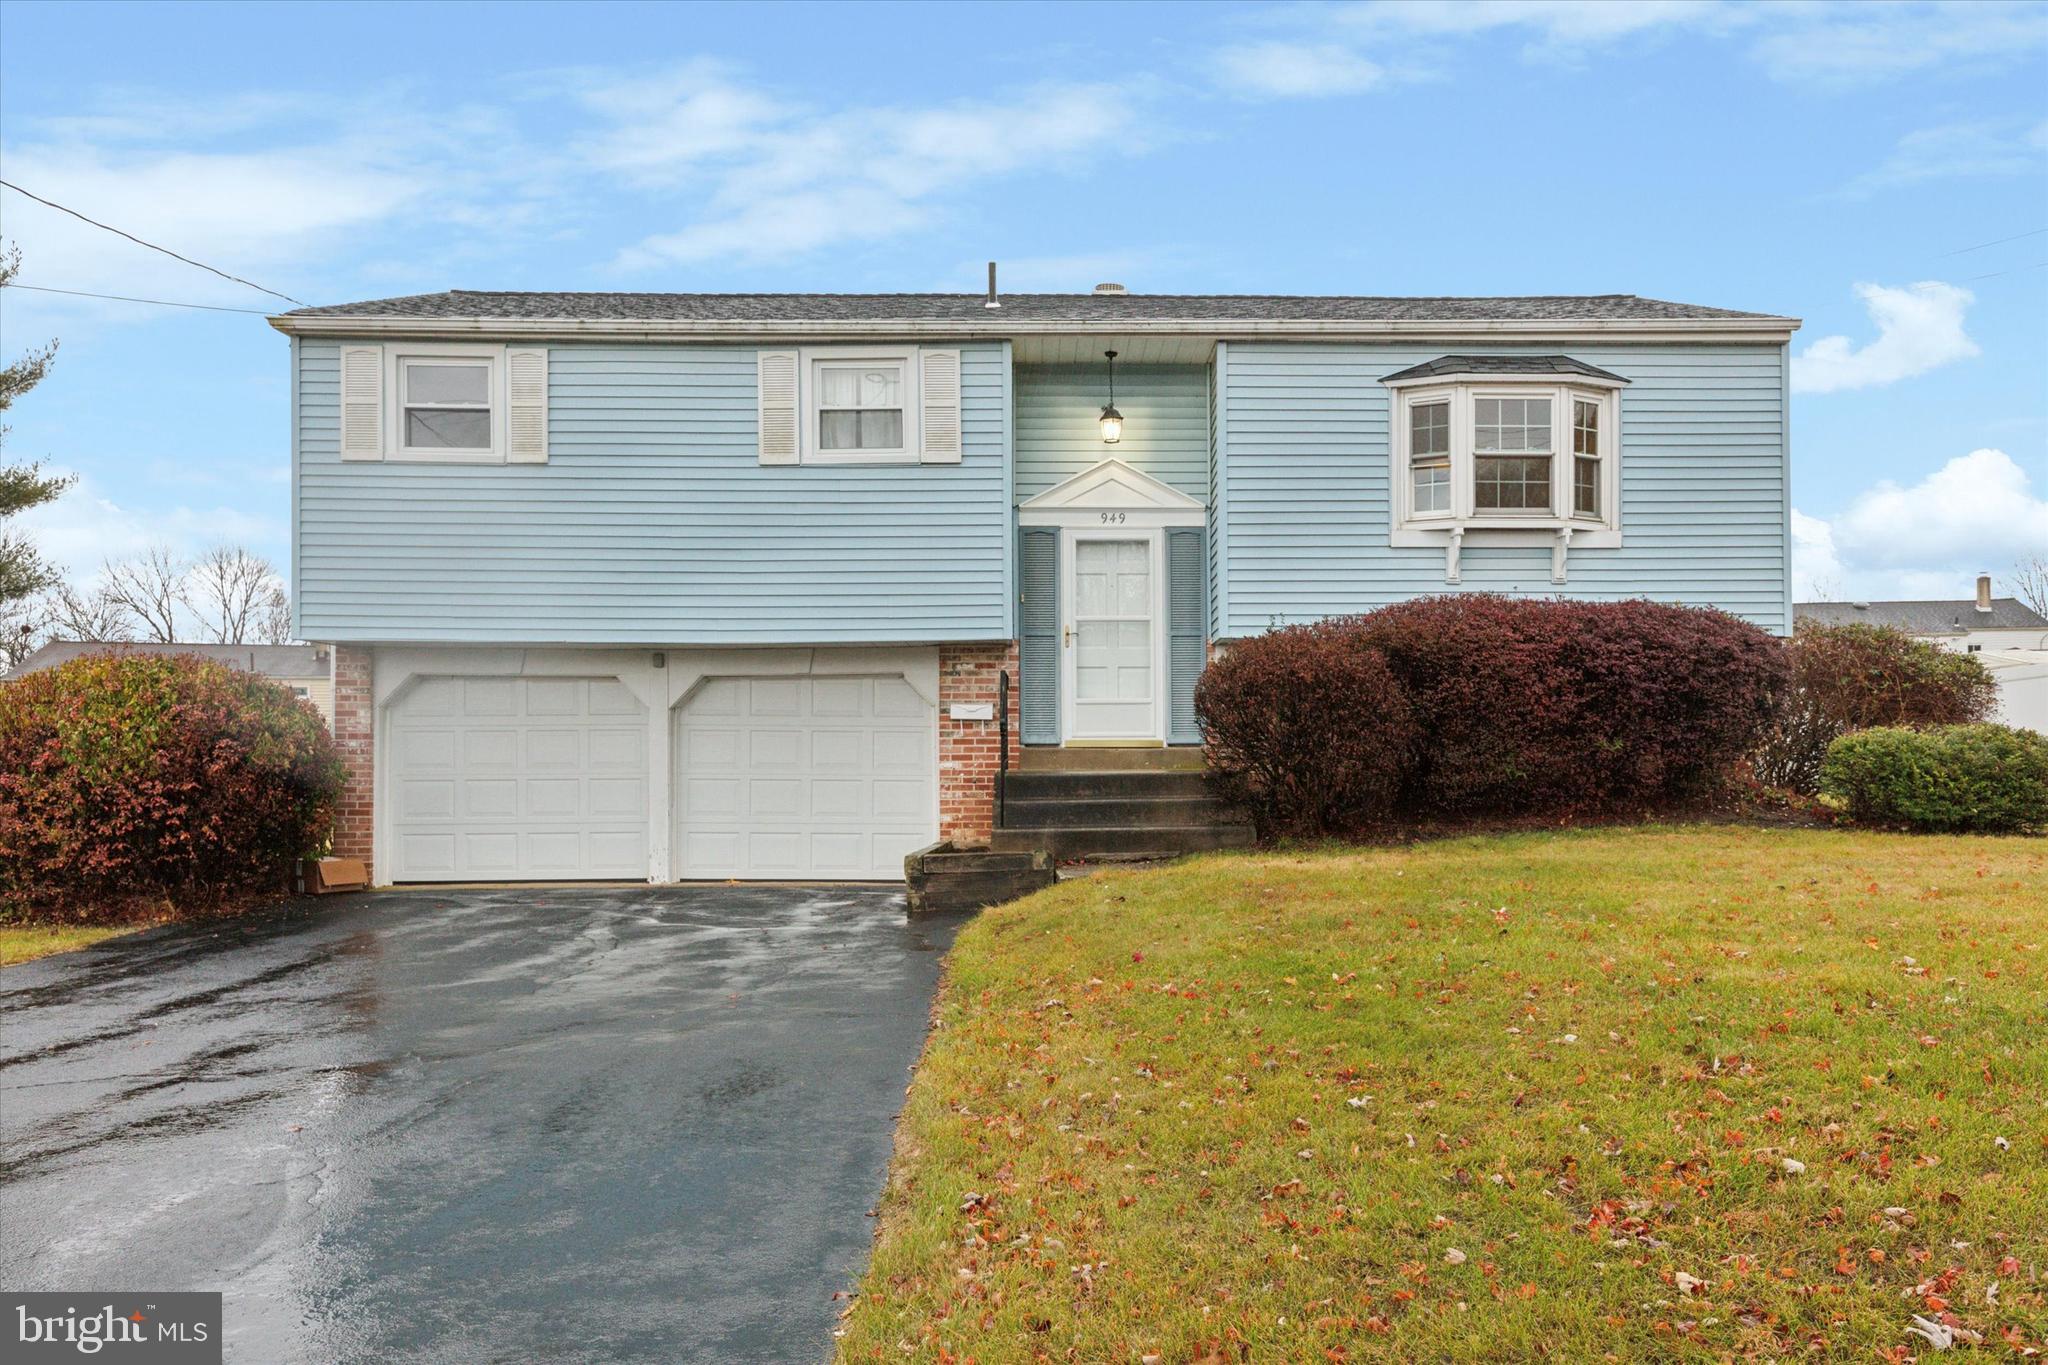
[[499, 1125]]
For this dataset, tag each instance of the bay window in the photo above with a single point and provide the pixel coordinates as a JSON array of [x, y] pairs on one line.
[[1506, 450]]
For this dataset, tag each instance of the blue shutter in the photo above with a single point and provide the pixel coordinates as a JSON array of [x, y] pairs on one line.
[[1187, 615], [1038, 695]]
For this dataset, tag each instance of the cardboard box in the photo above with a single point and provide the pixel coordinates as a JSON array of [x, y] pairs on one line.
[[325, 876]]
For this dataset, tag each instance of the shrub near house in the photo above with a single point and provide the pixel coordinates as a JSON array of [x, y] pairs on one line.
[[1985, 779], [171, 782], [1482, 705]]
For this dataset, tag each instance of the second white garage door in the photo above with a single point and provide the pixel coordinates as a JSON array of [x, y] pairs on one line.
[[804, 777]]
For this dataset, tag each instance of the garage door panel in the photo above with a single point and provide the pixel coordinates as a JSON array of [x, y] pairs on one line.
[[499, 778], [803, 777]]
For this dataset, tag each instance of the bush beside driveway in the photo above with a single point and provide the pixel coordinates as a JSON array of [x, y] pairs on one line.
[[1662, 1093]]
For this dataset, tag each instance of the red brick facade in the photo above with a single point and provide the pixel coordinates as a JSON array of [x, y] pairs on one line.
[[354, 726], [970, 750]]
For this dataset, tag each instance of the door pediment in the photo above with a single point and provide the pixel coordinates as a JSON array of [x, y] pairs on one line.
[[1112, 486]]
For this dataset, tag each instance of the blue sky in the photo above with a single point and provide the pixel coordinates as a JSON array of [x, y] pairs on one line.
[[1856, 166]]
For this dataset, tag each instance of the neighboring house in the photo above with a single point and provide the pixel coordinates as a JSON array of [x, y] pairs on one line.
[[1967, 627], [702, 586], [305, 669]]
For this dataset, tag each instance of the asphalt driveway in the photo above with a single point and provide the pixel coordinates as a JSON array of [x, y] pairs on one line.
[[639, 1124]]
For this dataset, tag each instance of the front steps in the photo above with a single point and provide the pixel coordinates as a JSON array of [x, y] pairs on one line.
[[942, 877], [1121, 803]]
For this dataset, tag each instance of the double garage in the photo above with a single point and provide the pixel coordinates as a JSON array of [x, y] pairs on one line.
[[540, 765]]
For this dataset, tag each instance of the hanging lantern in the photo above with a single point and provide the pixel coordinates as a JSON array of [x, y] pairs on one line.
[[1112, 420]]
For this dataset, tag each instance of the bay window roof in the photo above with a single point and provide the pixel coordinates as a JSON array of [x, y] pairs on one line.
[[1503, 367]]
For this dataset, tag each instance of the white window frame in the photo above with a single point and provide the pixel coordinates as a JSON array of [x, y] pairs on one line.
[[1465, 522], [809, 391], [396, 357]]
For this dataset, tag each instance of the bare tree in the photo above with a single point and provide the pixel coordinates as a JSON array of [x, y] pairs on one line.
[[24, 625], [274, 617], [86, 614], [230, 590], [149, 588], [2030, 581]]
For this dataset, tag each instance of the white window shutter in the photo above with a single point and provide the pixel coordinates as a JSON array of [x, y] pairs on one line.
[[362, 402], [940, 396], [777, 371], [526, 385]]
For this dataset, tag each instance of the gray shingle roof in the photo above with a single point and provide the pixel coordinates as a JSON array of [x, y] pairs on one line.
[[272, 661], [962, 308], [1503, 365], [1925, 618]]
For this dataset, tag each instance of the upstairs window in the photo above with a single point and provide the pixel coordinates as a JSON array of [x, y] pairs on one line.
[[1501, 447], [860, 407], [446, 404]]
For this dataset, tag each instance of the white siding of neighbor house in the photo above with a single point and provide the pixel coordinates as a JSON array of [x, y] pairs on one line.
[[652, 521], [1302, 486]]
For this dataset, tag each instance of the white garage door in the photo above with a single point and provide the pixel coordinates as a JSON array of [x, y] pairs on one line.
[[496, 779], [813, 777]]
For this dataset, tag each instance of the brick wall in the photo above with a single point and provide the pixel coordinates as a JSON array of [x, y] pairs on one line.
[[969, 750], [354, 720]]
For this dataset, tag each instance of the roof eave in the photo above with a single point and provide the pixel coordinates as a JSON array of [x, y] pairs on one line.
[[1748, 329]]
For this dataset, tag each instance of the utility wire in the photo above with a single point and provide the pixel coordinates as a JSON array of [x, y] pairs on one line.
[[1996, 273], [126, 298], [1981, 245], [152, 245]]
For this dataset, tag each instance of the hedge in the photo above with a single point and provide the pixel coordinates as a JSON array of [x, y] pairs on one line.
[[171, 781], [1499, 706], [1854, 677], [1956, 778]]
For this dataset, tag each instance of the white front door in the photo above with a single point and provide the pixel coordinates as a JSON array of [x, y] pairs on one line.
[[1114, 678]]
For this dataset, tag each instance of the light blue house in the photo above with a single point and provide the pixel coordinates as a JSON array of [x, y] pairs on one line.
[[683, 585]]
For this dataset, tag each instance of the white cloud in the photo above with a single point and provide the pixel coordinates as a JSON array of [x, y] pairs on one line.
[[782, 181], [1919, 328], [1977, 512], [1842, 45], [1954, 151], [1296, 69]]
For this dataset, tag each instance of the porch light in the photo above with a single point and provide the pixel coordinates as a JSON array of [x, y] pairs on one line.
[[1112, 420]]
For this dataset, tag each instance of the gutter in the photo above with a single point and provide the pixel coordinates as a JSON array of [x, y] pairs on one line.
[[1757, 330]]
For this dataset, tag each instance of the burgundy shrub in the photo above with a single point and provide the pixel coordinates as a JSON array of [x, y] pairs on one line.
[[1306, 729], [171, 781]]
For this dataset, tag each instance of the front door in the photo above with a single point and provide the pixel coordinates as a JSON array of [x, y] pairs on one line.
[[1112, 638]]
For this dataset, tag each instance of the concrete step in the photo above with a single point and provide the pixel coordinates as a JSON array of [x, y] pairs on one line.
[[1117, 811], [942, 877], [1091, 786], [1152, 841], [1047, 758]]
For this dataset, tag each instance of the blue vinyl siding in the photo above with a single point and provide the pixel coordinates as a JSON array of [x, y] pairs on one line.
[[653, 521], [1303, 530], [1166, 424]]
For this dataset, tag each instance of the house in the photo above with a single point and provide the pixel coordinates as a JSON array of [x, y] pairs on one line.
[[305, 669], [1968, 627], [668, 586]]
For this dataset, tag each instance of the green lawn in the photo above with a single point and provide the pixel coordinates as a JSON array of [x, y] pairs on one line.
[[22, 943], [1651, 1093]]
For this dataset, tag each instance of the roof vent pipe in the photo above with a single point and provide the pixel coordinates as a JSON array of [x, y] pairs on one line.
[[1984, 592], [1111, 289], [990, 301]]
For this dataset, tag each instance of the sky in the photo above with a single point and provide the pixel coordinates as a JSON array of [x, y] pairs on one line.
[[1880, 171]]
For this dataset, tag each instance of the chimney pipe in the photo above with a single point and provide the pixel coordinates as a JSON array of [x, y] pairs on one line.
[[1984, 592], [990, 301]]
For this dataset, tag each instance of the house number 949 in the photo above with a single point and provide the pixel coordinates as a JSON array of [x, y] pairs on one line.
[[1112, 518]]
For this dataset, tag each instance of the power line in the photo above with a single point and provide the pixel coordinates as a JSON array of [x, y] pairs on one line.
[[1981, 245], [126, 298], [2014, 271], [151, 245]]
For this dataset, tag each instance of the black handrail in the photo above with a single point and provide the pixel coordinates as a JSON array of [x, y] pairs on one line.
[[1002, 740]]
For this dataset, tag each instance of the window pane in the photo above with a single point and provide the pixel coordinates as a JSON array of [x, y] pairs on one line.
[[447, 383], [1586, 427], [1429, 430], [1586, 487], [1536, 424], [881, 386], [1433, 488], [838, 387], [881, 430], [460, 429], [1511, 484], [839, 430]]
